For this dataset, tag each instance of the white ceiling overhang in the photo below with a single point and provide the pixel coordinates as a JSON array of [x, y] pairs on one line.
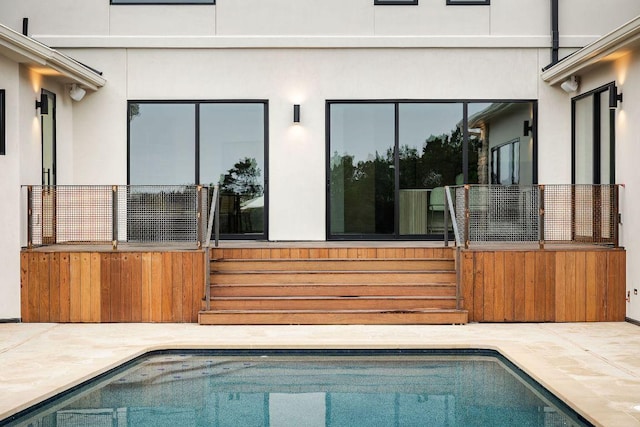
[[47, 61]]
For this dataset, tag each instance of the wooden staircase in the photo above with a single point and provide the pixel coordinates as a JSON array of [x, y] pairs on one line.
[[333, 286]]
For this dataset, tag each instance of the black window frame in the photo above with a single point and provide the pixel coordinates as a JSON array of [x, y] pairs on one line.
[[395, 3], [162, 2], [396, 236], [468, 2], [197, 103], [3, 146], [511, 144], [596, 114]]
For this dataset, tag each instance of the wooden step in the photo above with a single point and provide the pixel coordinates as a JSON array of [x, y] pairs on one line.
[[333, 289], [251, 287], [334, 317], [394, 303], [360, 277], [377, 264]]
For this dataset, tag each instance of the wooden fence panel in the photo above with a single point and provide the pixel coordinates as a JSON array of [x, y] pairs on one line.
[[544, 286], [111, 287]]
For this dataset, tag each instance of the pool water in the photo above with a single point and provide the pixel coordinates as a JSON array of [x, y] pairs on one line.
[[335, 388]]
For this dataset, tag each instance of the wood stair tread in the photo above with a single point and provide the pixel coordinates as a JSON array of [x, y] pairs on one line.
[[327, 259], [346, 297], [421, 310], [316, 284], [253, 288], [334, 317], [239, 272]]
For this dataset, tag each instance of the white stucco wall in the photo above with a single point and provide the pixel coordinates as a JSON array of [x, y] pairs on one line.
[[309, 77], [10, 196]]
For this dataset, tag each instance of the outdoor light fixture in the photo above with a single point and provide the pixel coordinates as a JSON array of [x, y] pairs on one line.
[[296, 113], [527, 128], [76, 92], [614, 97], [570, 85], [43, 104]]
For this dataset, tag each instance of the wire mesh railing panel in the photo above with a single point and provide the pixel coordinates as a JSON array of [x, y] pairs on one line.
[[530, 213], [160, 213], [64, 214], [581, 213], [80, 214], [559, 213], [503, 213]]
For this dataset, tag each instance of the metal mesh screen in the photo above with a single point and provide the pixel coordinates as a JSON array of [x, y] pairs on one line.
[[71, 214], [581, 213], [567, 213], [79, 214], [87, 417], [160, 213]]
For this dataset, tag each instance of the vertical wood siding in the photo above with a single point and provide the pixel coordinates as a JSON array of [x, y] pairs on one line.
[[111, 287], [544, 286]]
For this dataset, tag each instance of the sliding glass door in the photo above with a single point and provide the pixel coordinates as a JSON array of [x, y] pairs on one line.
[[362, 195], [389, 161], [208, 143]]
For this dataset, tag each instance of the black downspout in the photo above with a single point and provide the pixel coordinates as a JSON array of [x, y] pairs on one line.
[[555, 33]]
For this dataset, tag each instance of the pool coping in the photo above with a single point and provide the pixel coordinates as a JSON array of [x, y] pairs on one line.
[[524, 351]]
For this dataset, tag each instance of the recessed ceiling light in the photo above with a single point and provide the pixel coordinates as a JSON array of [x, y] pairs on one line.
[[637, 408]]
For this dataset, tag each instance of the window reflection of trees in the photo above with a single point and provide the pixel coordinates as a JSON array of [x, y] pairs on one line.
[[438, 163]]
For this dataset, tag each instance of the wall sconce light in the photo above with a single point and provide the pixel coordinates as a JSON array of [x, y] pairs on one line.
[[43, 104], [614, 97], [571, 84], [76, 92], [527, 128], [296, 113]]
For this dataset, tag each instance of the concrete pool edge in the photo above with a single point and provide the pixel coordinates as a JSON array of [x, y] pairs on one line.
[[526, 354]]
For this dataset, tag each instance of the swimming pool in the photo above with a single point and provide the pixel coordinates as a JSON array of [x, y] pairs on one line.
[[307, 388]]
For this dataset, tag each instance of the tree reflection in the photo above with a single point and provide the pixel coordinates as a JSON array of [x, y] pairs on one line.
[[366, 188]]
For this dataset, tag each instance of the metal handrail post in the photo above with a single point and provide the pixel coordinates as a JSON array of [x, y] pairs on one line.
[[616, 216], [207, 278], [114, 217], [199, 217], [454, 217], [458, 278], [541, 216], [29, 217], [446, 217], [467, 216], [217, 221]]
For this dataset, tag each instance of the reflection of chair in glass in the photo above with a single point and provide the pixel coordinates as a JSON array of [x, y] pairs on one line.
[[436, 210]]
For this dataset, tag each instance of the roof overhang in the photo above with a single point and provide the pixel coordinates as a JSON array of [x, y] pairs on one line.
[[610, 47], [47, 61]]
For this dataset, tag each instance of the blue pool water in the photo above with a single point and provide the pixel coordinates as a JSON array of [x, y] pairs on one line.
[[307, 388]]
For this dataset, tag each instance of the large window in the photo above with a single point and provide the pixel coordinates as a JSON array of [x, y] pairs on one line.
[[593, 136], [505, 163], [208, 143], [389, 161], [163, 2]]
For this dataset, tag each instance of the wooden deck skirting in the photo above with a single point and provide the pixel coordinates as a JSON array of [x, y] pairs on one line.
[[505, 285], [102, 287], [577, 285]]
